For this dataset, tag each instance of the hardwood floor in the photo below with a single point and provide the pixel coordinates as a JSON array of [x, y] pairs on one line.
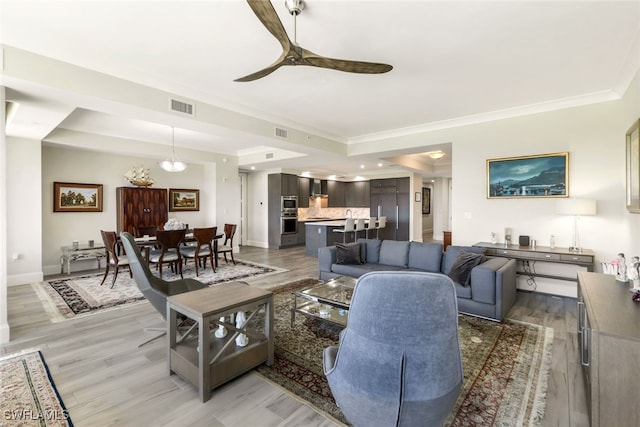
[[106, 380]]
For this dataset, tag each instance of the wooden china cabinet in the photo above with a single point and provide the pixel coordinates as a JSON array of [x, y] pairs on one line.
[[140, 206]]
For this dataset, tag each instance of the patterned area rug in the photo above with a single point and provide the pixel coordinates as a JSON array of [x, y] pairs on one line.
[[67, 298], [29, 396], [505, 366]]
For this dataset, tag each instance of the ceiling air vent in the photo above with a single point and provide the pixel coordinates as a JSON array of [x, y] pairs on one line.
[[269, 156], [282, 133], [182, 107]]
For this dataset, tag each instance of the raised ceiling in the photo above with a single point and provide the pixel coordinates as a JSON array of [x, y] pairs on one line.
[[454, 63]]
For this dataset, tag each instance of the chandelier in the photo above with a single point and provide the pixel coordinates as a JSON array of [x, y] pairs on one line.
[[173, 165]]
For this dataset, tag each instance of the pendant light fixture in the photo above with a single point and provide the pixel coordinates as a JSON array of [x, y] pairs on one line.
[[173, 165]]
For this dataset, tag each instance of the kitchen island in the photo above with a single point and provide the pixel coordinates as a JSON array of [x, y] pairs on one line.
[[319, 234]]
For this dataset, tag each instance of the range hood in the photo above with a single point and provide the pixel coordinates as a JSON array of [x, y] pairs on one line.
[[319, 188]]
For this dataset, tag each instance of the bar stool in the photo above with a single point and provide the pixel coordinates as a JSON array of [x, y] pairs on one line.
[[359, 227], [348, 228], [382, 223], [370, 226]]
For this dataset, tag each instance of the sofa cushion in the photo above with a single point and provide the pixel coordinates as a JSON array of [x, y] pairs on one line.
[[452, 253], [353, 270], [371, 249], [395, 253], [348, 253], [460, 271], [425, 256]]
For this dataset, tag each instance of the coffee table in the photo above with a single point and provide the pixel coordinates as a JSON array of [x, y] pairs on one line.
[[327, 301]]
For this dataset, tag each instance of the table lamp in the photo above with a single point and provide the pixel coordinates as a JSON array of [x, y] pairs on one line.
[[577, 208]]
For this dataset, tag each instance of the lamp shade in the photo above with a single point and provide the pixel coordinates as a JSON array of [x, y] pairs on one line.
[[578, 207]]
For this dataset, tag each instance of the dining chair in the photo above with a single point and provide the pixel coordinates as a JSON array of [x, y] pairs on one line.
[[169, 242], [202, 249], [111, 244], [145, 230], [227, 246], [348, 228]]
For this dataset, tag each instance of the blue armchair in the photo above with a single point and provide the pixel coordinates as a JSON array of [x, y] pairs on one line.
[[398, 362]]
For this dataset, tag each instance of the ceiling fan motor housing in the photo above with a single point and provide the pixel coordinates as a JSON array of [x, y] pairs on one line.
[[294, 6]]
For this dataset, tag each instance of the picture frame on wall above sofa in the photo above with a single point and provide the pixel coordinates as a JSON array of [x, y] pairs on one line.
[[633, 167], [74, 197], [426, 200], [540, 175], [184, 200]]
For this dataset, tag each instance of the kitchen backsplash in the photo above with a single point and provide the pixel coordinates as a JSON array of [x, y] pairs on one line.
[[317, 212]]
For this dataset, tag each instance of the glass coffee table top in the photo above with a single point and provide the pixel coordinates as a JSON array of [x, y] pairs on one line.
[[328, 300]]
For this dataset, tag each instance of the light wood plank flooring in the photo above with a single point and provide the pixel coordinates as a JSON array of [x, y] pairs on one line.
[[106, 380]]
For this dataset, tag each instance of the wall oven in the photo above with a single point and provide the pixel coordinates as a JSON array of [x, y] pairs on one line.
[[288, 224], [289, 204]]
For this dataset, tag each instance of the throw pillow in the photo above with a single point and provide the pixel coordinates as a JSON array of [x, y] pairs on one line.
[[348, 253], [461, 269]]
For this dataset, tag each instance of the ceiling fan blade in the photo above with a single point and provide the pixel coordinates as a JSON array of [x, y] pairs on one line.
[[264, 72], [267, 15], [362, 67]]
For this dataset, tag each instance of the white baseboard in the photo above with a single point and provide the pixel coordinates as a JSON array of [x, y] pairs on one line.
[[5, 335], [258, 244], [23, 279]]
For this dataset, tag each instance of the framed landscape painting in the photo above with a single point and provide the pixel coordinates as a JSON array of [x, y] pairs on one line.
[[72, 197], [184, 200], [542, 175]]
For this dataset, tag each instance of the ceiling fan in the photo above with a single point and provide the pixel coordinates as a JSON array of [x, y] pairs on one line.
[[292, 53]]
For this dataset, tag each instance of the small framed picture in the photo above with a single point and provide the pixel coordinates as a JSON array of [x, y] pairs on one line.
[[426, 200], [73, 197], [184, 200], [418, 196]]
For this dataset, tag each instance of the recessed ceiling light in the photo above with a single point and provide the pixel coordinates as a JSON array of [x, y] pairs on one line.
[[361, 166], [380, 165], [253, 168], [306, 173]]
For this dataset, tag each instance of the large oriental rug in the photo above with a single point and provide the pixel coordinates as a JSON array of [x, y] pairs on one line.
[[505, 366], [67, 298], [29, 396]]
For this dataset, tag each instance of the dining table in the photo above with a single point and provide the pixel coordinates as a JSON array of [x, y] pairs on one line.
[[147, 242]]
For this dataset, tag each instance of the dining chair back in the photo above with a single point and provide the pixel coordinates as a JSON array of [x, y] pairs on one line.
[[169, 242], [112, 246], [145, 230], [382, 223], [227, 246], [203, 248]]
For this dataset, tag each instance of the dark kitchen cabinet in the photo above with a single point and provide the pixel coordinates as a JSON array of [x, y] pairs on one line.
[[357, 194], [304, 191], [140, 207], [278, 185], [289, 184], [391, 198], [335, 191]]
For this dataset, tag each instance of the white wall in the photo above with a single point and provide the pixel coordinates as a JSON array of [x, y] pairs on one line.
[[68, 165], [440, 207], [24, 255], [4, 318], [593, 135], [257, 212]]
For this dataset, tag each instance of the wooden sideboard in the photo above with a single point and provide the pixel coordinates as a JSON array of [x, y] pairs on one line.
[[609, 349], [140, 206]]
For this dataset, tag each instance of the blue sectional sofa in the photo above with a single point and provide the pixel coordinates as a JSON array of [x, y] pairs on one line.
[[491, 291]]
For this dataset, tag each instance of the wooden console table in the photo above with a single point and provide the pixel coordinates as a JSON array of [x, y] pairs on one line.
[[209, 361], [585, 258]]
